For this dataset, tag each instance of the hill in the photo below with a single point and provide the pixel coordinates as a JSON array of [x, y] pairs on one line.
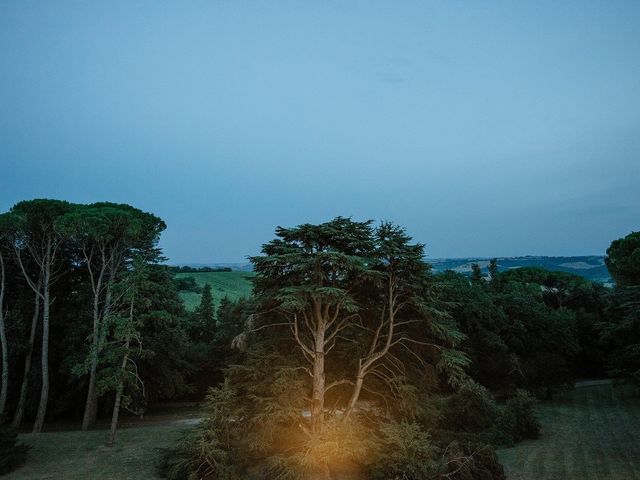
[[590, 267], [237, 283], [234, 285]]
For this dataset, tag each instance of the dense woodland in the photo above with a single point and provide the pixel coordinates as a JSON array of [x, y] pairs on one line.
[[350, 358]]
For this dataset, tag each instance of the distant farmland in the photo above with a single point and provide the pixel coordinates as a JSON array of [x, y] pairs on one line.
[[233, 285]]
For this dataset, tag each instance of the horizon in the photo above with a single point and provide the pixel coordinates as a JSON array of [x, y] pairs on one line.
[[171, 263]]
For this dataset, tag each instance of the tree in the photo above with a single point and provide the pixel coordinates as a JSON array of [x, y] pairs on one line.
[[204, 314], [621, 330], [308, 274], [558, 288], [145, 345], [126, 332], [623, 259], [405, 318], [361, 295], [4, 346], [34, 234], [107, 235], [486, 327], [494, 273], [543, 340], [476, 273], [22, 399], [210, 450]]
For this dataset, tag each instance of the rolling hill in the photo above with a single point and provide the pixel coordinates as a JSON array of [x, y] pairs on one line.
[[237, 283], [233, 285]]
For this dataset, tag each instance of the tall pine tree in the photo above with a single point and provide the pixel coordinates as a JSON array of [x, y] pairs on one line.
[[204, 314]]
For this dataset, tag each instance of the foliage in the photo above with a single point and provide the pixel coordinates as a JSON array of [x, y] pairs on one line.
[[210, 450], [620, 332], [406, 452], [471, 409], [470, 460], [233, 285], [361, 300], [187, 284], [204, 318], [521, 415], [623, 259]]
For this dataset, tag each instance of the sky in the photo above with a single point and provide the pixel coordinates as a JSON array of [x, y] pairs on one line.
[[493, 128]]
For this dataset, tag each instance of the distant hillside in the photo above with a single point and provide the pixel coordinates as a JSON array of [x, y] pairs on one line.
[[234, 285], [237, 283], [591, 267]]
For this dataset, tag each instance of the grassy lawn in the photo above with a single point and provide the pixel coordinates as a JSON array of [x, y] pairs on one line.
[[232, 284], [590, 433], [83, 455]]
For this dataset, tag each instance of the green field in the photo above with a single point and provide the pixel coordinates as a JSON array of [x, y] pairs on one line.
[[234, 285], [83, 455], [590, 433]]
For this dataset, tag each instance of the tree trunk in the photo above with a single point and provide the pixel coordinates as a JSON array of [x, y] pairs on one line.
[[3, 344], [17, 418], [5, 365], [91, 404], [317, 397], [44, 392], [355, 394], [375, 352], [119, 390]]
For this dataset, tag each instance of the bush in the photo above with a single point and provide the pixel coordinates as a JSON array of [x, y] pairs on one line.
[[464, 460], [472, 414], [521, 411], [208, 451], [12, 453], [406, 453], [471, 409], [187, 284]]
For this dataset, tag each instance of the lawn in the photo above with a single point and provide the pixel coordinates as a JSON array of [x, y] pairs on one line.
[[592, 432], [234, 285], [83, 455]]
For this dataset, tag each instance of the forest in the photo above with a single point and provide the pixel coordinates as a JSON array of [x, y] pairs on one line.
[[351, 358]]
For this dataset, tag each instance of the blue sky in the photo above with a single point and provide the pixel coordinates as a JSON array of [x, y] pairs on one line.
[[485, 128]]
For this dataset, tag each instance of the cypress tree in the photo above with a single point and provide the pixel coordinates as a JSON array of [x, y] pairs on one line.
[[205, 313]]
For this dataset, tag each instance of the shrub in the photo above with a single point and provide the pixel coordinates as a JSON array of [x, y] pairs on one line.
[[468, 460], [12, 453], [471, 409], [208, 451], [521, 411], [406, 453]]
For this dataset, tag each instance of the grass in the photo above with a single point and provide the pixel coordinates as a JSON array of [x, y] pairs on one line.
[[592, 432], [234, 285], [83, 455]]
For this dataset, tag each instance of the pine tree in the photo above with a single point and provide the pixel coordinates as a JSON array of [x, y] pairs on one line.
[[204, 314], [476, 273]]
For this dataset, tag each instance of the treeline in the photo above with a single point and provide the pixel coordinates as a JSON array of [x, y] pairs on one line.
[[356, 359], [91, 323], [186, 269]]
